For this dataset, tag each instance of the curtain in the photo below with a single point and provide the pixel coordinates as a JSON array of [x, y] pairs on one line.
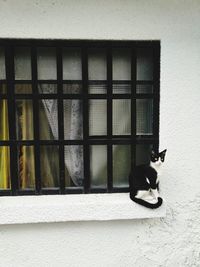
[[72, 130]]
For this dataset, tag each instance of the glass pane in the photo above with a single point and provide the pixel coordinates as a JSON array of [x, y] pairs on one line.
[[3, 89], [144, 64], [48, 119], [46, 62], [2, 64], [143, 154], [144, 120], [72, 88], [98, 165], [26, 167], [121, 64], [47, 88], [49, 166], [24, 119], [97, 87], [73, 119], [72, 67], [23, 89], [98, 117], [4, 130], [144, 89], [74, 173], [121, 116], [121, 87], [121, 165], [4, 167], [22, 63], [97, 69]]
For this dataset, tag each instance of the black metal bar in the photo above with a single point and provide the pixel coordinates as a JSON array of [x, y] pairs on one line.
[[9, 59], [86, 147], [156, 106], [60, 120], [133, 107], [109, 121], [36, 120], [101, 141]]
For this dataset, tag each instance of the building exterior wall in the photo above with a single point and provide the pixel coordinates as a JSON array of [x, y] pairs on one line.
[[170, 241]]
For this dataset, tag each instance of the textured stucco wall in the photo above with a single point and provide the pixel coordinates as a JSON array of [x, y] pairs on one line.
[[174, 240]]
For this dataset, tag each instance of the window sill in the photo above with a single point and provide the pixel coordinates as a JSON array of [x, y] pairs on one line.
[[62, 208]]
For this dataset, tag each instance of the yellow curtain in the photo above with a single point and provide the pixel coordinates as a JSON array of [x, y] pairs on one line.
[[26, 153], [48, 159], [26, 165], [4, 150]]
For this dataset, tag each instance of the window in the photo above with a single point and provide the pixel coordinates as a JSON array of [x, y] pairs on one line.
[[76, 116]]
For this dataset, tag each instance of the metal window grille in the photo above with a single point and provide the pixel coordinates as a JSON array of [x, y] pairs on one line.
[[138, 90]]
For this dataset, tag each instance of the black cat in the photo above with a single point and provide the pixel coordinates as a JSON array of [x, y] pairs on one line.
[[144, 182]]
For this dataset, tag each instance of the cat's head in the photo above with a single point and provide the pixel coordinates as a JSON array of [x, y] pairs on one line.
[[158, 158]]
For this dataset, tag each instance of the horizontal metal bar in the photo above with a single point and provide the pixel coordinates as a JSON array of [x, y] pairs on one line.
[[77, 43], [5, 192], [114, 140]]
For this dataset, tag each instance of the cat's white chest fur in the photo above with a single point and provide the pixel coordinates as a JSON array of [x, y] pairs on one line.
[[157, 166]]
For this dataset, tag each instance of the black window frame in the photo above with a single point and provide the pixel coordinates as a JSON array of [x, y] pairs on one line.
[[109, 140]]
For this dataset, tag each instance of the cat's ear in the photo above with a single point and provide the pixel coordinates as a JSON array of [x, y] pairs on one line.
[[153, 153], [163, 152]]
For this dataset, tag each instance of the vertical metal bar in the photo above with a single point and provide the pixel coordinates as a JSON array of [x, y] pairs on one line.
[[109, 121], [9, 57], [133, 106], [86, 147], [156, 100], [60, 120], [36, 120]]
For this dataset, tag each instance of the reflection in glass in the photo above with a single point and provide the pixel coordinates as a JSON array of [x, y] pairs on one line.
[[49, 166], [74, 165], [121, 87], [23, 88], [4, 167], [24, 119], [121, 64], [3, 89], [72, 88], [96, 87], [48, 119], [98, 165], [4, 130], [97, 69], [72, 67], [144, 89], [26, 167], [22, 61], [144, 118], [2, 64], [121, 117], [73, 119], [143, 154], [46, 60], [98, 117], [47, 88], [121, 165], [144, 64]]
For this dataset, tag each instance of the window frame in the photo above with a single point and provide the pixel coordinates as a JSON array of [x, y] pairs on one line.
[[110, 140]]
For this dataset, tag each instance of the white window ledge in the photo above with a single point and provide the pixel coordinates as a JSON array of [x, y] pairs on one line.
[[83, 207]]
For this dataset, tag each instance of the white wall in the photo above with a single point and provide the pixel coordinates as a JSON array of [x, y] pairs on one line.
[[174, 240]]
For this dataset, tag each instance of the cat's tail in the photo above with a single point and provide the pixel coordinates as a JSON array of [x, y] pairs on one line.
[[147, 204]]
